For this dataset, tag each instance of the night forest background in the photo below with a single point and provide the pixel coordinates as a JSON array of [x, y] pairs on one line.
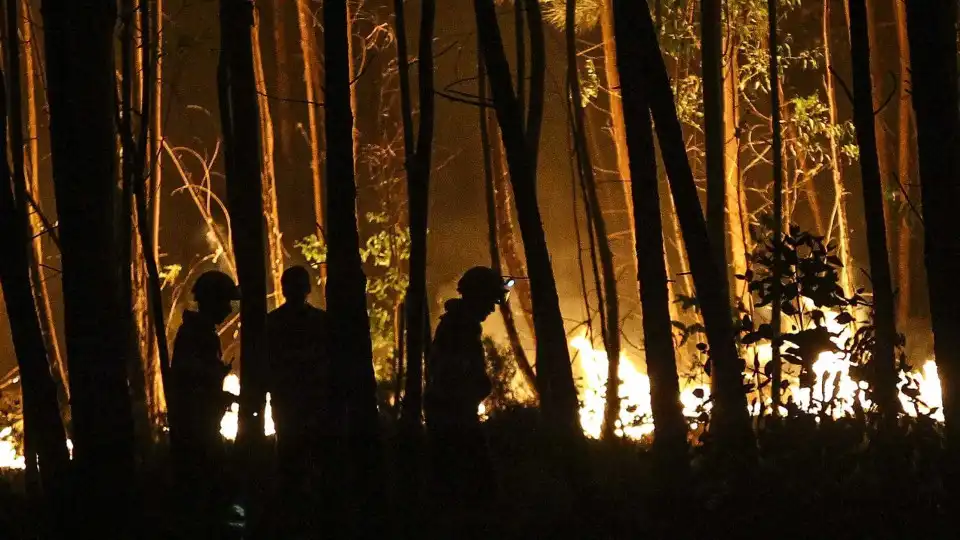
[[734, 270]]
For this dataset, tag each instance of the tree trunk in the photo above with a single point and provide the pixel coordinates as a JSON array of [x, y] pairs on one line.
[[611, 303], [878, 78], [270, 210], [738, 215], [40, 293], [931, 26], [636, 36], [241, 127], [671, 430], [557, 391], [283, 82], [43, 428], [156, 125], [418, 164], [346, 282], [884, 369], [905, 159], [775, 128], [83, 135], [839, 215], [711, 38], [493, 236], [308, 49]]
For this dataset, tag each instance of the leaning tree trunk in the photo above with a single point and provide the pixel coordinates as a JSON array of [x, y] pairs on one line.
[[611, 303], [240, 122], [933, 53], [417, 162], [839, 215], [730, 423], [671, 430], [493, 235], [884, 369], [83, 134], [37, 232], [346, 282], [45, 448], [557, 391]]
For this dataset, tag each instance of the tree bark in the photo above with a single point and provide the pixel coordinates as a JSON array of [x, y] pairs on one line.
[[839, 215], [738, 215], [155, 29], [346, 282], [83, 134], [308, 50], [557, 391], [884, 369], [777, 150], [270, 209], [41, 294], [45, 446], [931, 26], [730, 423], [905, 160]]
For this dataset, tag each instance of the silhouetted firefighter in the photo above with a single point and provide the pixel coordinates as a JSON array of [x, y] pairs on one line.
[[197, 401], [457, 383], [302, 396]]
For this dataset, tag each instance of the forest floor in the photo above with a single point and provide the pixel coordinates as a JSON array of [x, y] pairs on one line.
[[810, 480]]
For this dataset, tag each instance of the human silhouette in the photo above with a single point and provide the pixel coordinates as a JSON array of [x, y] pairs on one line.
[[457, 383], [301, 395], [197, 401]]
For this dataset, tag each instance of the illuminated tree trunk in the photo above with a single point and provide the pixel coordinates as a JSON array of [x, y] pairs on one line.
[[557, 392], [671, 430], [610, 306], [83, 134], [885, 376], [736, 202], [636, 36], [905, 159], [283, 82], [37, 273], [931, 26], [155, 28], [45, 445], [839, 213], [241, 127], [493, 236], [270, 211], [777, 150], [346, 282], [308, 48], [618, 131]]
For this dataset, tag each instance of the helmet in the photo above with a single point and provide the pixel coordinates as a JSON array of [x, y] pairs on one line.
[[214, 285], [483, 283], [295, 281]]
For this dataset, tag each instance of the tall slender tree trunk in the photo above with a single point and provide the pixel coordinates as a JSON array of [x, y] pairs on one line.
[[493, 235], [839, 213], [346, 282], [270, 209], [883, 310], [671, 430], [283, 81], [931, 26], [711, 39], [241, 125], [777, 149], [611, 304], [557, 391], [45, 446], [905, 160], [737, 212], [731, 424], [156, 52], [418, 164], [308, 49], [83, 134], [41, 294]]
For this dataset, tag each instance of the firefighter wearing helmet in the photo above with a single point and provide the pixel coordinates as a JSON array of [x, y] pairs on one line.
[[196, 399], [457, 384]]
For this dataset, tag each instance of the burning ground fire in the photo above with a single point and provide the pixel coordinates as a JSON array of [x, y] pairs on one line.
[[833, 383]]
